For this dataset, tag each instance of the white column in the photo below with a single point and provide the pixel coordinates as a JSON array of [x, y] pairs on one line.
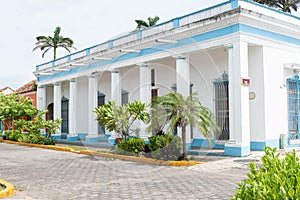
[[145, 94], [72, 107], [183, 76], [57, 103], [92, 104], [41, 102], [116, 93], [183, 86], [239, 144], [41, 98]]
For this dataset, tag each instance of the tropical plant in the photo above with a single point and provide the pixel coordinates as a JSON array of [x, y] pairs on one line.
[[45, 43], [131, 146], [144, 24], [283, 5], [14, 107], [275, 179], [121, 118], [165, 147], [177, 110]]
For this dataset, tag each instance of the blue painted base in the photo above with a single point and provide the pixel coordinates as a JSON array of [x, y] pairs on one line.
[[91, 139], [112, 141], [72, 138], [259, 146], [82, 135], [238, 151], [44, 134], [188, 146], [56, 136], [203, 143]]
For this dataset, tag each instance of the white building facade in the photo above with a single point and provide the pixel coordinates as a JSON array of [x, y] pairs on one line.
[[240, 58]]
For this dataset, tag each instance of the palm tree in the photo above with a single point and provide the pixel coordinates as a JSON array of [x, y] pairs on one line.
[[143, 24], [173, 110], [283, 5], [45, 43]]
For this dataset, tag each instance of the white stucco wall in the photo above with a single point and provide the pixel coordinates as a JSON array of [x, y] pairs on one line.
[[104, 85], [49, 95], [82, 104], [130, 81], [257, 105], [275, 90]]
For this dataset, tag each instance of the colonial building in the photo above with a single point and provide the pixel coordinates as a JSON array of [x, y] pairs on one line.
[[28, 90], [240, 57]]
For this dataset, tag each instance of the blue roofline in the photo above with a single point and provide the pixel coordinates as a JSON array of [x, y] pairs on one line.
[[172, 20]]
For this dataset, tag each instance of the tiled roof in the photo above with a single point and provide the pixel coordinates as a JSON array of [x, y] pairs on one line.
[[29, 87], [5, 88]]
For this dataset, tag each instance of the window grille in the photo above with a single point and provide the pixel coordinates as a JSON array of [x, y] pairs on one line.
[[101, 101], [221, 100], [64, 115], [125, 97], [293, 85]]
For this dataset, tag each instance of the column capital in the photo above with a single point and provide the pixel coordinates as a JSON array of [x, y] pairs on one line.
[[181, 57], [72, 80], [41, 86], [143, 65], [56, 84], [114, 71], [228, 46]]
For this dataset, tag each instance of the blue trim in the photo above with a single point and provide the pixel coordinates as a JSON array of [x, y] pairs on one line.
[[180, 58], [87, 51], [110, 43], [270, 8], [69, 58], [183, 42], [56, 136], [207, 153], [259, 146], [91, 139], [82, 135], [72, 138], [176, 22], [203, 143], [237, 151], [188, 146], [139, 35], [112, 141], [234, 4]]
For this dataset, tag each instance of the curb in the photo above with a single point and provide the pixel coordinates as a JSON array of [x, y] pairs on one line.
[[56, 148], [110, 155], [8, 191], [139, 159]]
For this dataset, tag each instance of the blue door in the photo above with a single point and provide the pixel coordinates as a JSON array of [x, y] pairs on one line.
[[293, 85]]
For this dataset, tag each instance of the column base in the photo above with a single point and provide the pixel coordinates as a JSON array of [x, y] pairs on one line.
[[72, 137], [91, 139], [188, 146], [111, 141], [56, 136], [236, 150], [82, 135]]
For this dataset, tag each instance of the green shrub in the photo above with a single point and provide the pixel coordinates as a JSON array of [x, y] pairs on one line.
[[165, 147], [131, 146], [13, 135], [275, 179]]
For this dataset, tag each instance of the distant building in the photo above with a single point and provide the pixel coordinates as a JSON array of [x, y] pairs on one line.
[[28, 90], [241, 57], [6, 90]]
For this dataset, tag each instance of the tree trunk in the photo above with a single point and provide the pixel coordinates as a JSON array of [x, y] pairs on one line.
[[183, 130], [54, 53]]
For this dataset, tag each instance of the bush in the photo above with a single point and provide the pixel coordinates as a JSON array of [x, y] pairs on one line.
[[131, 146], [13, 135], [165, 147], [275, 179]]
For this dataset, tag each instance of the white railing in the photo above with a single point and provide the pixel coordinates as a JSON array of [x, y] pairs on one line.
[[202, 14]]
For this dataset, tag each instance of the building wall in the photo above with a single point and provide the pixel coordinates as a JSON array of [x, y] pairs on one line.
[[104, 85], [82, 104]]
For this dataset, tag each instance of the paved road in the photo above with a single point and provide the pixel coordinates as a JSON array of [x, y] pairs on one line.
[[46, 174]]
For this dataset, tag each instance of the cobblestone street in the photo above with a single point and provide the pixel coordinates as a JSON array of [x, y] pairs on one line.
[[46, 174]]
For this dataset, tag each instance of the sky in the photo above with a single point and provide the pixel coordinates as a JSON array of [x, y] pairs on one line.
[[87, 22]]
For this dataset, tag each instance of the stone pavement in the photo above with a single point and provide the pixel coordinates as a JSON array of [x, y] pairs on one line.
[[46, 174]]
